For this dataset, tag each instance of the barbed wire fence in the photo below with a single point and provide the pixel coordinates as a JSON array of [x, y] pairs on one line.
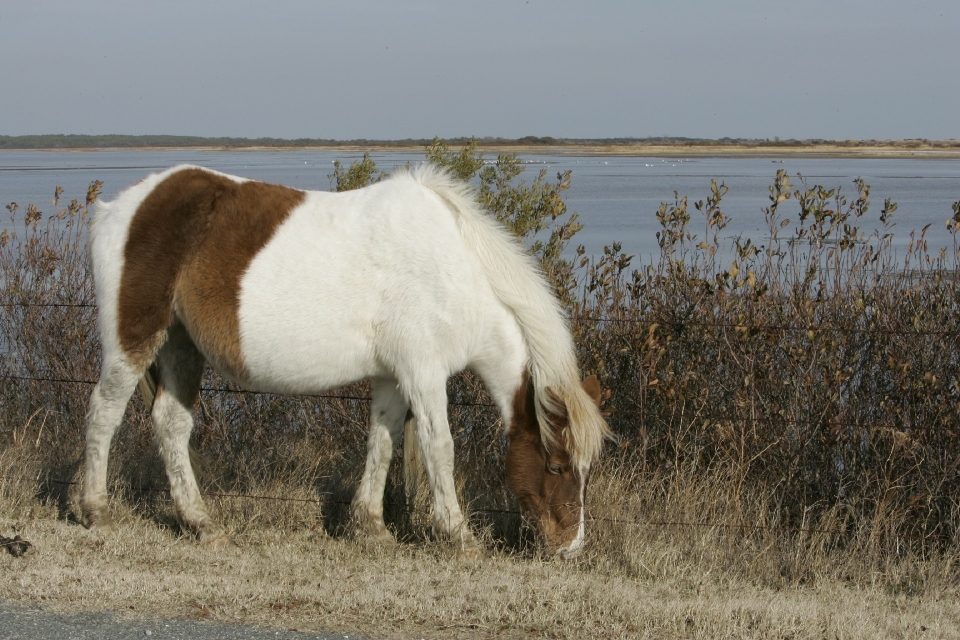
[[663, 322]]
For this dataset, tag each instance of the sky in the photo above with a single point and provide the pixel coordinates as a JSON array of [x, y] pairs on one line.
[[379, 69]]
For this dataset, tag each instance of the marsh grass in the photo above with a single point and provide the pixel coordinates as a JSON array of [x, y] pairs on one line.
[[786, 464]]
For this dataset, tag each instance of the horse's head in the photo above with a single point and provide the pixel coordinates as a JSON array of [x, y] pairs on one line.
[[549, 488]]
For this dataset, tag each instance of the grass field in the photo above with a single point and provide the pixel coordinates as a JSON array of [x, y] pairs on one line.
[[649, 582]]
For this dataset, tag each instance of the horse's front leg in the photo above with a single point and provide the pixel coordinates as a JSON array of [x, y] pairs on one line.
[[387, 414], [436, 447]]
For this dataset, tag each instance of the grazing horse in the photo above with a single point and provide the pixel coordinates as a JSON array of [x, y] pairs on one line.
[[404, 282]]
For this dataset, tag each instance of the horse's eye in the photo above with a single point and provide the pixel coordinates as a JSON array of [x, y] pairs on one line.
[[554, 468]]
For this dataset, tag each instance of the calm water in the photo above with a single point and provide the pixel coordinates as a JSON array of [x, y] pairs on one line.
[[617, 197]]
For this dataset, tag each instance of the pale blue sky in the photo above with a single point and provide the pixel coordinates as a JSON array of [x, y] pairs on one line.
[[377, 69]]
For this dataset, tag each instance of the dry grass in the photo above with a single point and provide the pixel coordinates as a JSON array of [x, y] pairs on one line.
[[647, 583]]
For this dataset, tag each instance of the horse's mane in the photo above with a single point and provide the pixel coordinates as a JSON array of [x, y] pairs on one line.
[[519, 283]]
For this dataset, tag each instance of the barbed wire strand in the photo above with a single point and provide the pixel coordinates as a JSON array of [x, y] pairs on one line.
[[705, 418], [319, 396], [772, 327], [665, 322], [52, 305], [515, 512]]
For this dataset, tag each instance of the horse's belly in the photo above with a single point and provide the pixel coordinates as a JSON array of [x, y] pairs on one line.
[[305, 363]]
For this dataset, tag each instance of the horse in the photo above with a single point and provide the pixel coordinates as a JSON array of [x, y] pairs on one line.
[[404, 282]]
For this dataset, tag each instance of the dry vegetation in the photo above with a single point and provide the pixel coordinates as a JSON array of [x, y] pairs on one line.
[[787, 464], [290, 577]]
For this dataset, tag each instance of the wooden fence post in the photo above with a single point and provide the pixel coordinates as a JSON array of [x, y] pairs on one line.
[[412, 465], [148, 386]]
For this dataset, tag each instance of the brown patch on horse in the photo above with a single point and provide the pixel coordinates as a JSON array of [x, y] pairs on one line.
[[189, 244]]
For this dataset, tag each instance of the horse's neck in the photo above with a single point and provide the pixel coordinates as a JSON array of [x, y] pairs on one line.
[[502, 363]]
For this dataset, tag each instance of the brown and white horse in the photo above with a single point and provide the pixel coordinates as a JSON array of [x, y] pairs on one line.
[[405, 283]]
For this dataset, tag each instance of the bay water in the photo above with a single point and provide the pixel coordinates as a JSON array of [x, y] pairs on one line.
[[616, 197]]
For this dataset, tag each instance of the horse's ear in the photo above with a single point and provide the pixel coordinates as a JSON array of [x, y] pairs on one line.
[[592, 386]]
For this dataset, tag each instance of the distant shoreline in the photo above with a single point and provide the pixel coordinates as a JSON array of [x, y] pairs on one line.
[[671, 151], [658, 147], [749, 151]]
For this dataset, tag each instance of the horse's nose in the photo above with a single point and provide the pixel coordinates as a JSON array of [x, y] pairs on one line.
[[571, 551], [568, 551]]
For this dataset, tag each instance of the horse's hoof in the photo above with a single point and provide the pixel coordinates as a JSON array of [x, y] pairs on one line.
[[381, 538], [99, 521], [369, 530], [471, 548], [216, 540], [461, 540], [222, 542], [108, 527]]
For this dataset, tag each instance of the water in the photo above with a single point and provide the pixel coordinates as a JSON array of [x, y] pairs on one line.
[[617, 197]]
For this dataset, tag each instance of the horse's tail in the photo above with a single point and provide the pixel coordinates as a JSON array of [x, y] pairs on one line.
[[517, 281], [101, 210], [103, 260]]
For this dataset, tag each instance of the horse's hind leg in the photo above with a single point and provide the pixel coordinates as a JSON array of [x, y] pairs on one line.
[[118, 379], [387, 412], [181, 367]]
